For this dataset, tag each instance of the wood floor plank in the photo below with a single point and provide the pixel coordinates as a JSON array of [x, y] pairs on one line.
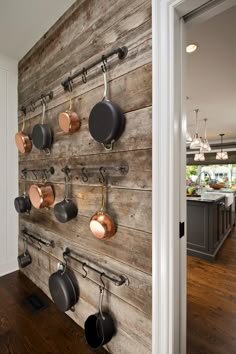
[[211, 312], [23, 332]]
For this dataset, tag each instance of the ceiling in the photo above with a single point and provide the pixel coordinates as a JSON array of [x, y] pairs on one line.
[[24, 22], [211, 75]]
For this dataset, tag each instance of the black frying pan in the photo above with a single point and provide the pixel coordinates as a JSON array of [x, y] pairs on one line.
[[64, 289], [106, 120], [41, 134]]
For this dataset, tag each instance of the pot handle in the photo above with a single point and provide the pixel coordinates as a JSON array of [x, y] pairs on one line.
[[101, 293], [43, 110], [105, 98], [66, 194]]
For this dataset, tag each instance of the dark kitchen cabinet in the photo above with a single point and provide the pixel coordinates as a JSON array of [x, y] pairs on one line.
[[208, 224]]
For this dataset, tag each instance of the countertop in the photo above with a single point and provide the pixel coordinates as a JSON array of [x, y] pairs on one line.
[[210, 199]]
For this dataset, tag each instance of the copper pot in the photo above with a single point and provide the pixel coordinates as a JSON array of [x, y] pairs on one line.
[[102, 225], [69, 121], [41, 195], [23, 141]]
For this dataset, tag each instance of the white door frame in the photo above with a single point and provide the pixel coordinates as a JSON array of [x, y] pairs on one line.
[[168, 202]]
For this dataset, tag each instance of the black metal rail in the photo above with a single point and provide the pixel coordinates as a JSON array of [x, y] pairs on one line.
[[38, 239], [43, 98], [67, 83], [117, 280]]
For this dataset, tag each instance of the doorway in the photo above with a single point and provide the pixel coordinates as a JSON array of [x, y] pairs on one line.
[[210, 181], [169, 169]]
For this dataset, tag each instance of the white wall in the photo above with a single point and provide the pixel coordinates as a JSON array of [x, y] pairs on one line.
[[8, 165]]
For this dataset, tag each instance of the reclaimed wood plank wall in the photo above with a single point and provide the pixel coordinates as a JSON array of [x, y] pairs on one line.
[[89, 29]]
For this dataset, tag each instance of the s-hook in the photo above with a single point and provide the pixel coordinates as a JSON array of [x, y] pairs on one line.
[[84, 75], [85, 271], [102, 178]]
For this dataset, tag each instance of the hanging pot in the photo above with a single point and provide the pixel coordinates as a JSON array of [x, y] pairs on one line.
[[99, 328], [64, 288], [69, 121], [22, 140], [106, 120], [25, 258], [22, 203], [42, 134], [65, 210], [41, 195], [102, 225]]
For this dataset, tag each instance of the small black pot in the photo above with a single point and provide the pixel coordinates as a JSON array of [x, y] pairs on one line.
[[64, 289], [22, 204], [42, 136], [24, 259], [65, 210], [99, 330]]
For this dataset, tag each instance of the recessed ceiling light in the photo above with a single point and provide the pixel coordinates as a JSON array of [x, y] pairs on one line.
[[191, 48]]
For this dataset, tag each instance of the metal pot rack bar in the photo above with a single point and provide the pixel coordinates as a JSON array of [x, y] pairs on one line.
[[46, 243], [32, 104], [67, 83], [119, 170], [44, 171], [116, 280]]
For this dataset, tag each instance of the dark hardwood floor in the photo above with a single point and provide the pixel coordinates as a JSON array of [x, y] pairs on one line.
[[45, 332], [211, 324]]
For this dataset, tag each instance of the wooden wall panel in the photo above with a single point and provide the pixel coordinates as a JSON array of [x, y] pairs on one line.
[[89, 29]]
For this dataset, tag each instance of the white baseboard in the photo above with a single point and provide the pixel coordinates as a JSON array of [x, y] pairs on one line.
[[8, 267]]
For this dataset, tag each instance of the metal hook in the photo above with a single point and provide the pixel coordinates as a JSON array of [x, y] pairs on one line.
[[35, 176], [70, 85], [65, 264], [85, 271], [43, 100], [102, 178], [102, 281], [32, 106], [85, 175], [84, 75], [104, 62]]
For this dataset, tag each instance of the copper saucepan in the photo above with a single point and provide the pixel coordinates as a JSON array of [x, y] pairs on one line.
[[69, 121], [23, 141], [41, 195], [102, 225]]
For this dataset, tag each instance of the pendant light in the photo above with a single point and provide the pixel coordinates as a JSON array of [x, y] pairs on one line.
[[188, 138], [199, 157], [205, 144], [222, 155], [197, 142]]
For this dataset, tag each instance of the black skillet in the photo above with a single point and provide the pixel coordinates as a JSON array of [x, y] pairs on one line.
[[106, 120], [42, 134], [23, 203], [64, 289]]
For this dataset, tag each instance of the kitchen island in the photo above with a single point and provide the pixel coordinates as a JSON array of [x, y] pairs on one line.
[[209, 222]]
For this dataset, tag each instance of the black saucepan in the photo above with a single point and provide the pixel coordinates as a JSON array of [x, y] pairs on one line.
[[106, 120], [99, 328], [23, 203], [64, 289], [25, 258], [41, 134], [65, 210]]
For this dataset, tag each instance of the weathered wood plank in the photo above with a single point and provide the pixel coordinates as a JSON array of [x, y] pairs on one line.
[[88, 30], [131, 247], [137, 136], [124, 314], [74, 50], [129, 208], [139, 175], [137, 294]]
